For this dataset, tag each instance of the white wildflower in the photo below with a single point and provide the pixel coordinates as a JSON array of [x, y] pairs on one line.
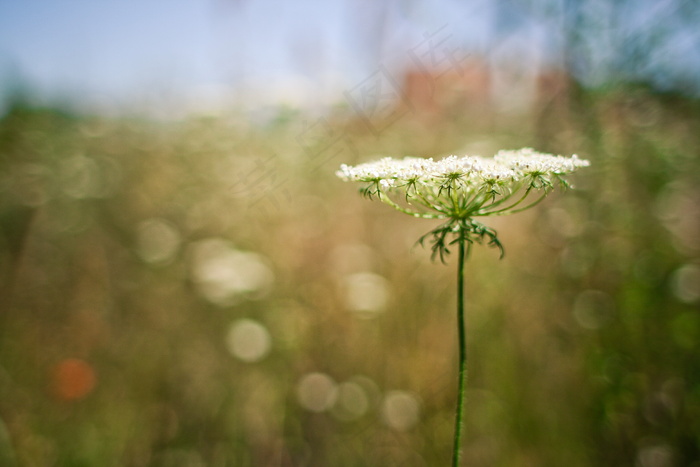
[[460, 188]]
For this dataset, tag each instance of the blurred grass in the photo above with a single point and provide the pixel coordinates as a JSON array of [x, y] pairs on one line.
[[583, 341]]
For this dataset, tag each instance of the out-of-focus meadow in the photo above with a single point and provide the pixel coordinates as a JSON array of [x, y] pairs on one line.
[[204, 291]]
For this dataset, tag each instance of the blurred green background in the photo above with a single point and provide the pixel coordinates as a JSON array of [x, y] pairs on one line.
[[203, 291]]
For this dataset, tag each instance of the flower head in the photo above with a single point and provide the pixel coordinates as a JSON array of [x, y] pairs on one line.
[[459, 188]]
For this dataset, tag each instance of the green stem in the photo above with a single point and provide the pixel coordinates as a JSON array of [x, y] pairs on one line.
[[503, 200], [384, 197], [456, 451], [503, 212]]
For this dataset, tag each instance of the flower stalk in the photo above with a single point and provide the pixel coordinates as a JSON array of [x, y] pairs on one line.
[[462, 332]]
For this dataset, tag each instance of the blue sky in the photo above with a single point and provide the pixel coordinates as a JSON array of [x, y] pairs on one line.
[[111, 52]]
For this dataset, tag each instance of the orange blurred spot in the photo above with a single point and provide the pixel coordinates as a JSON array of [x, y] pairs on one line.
[[72, 379]]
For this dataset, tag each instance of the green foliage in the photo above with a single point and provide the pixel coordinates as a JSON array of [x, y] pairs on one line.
[[455, 231]]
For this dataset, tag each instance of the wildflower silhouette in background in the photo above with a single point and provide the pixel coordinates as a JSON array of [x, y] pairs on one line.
[[459, 190]]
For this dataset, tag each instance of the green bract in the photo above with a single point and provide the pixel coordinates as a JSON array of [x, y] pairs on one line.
[[459, 189]]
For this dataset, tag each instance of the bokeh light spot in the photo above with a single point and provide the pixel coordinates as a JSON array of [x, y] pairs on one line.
[[685, 283], [248, 340], [157, 240], [224, 275], [352, 401], [317, 392], [655, 456], [81, 178], [72, 379], [400, 410], [366, 292]]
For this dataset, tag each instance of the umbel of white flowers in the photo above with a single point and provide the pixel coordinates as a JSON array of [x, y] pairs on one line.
[[458, 189]]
